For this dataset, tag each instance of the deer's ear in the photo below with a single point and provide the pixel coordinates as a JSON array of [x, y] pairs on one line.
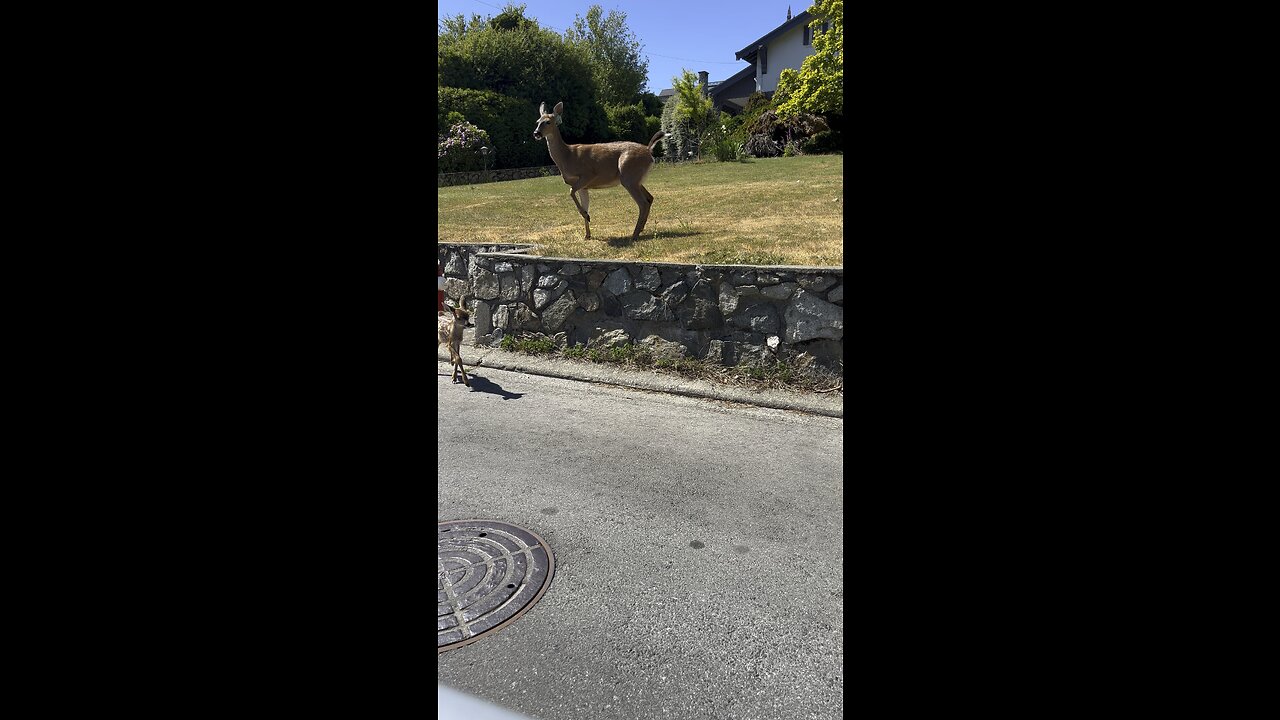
[[559, 107], [542, 109]]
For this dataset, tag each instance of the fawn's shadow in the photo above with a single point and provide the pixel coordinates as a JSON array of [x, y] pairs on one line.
[[625, 240], [479, 384]]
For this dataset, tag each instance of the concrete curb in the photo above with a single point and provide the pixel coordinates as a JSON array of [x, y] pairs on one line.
[[643, 380]]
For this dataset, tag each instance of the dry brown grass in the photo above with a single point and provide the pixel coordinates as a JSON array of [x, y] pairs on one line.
[[780, 211]]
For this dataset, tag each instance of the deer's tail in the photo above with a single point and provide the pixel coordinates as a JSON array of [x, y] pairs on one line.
[[656, 137]]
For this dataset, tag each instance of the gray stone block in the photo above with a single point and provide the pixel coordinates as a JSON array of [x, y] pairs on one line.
[[455, 288], [553, 317], [817, 283], [778, 292], [457, 265], [501, 319], [482, 316], [510, 287], [650, 279], [728, 298], [759, 318], [640, 305], [618, 283], [697, 313], [544, 297], [486, 284], [810, 317]]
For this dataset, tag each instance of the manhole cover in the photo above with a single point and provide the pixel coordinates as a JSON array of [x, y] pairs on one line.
[[488, 574]]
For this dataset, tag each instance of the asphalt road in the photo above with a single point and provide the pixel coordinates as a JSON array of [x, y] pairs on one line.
[[698, 546]]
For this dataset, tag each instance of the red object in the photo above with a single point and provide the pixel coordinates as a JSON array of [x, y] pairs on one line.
[[439, 293]]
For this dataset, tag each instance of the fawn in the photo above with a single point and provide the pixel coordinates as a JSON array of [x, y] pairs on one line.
[[449, 326]]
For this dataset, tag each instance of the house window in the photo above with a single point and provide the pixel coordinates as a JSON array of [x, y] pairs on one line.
[[764, 60], [806, 39], [825, 25]]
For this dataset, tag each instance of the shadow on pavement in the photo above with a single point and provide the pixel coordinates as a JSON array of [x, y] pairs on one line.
[[479, 384]]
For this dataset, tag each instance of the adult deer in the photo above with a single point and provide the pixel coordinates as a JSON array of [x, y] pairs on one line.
[[602, 165]]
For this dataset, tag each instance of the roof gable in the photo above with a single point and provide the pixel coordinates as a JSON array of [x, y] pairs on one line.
[[748, 71], [748, 53]]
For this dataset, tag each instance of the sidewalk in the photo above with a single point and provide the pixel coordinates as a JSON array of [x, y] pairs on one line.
[[831, 405]]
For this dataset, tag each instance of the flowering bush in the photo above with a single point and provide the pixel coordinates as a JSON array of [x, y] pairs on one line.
[[459, 151]]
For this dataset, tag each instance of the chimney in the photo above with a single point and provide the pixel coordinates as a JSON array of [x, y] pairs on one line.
[[702, 78]]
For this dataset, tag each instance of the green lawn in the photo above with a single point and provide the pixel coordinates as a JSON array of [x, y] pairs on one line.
[[778, 211]]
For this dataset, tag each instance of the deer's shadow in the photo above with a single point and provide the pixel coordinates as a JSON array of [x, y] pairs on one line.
[[484, 385], [625, 240]]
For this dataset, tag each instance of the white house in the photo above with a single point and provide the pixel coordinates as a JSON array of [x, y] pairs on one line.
[[786, 46]]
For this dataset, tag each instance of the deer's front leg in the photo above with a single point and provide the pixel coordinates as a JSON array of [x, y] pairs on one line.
[[582, 206]]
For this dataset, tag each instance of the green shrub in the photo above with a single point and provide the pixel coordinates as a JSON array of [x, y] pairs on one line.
[[724, 149], [627, 122], [651, 127], [508, 121], [757, 105], [786, 130], [823, 142], [761, 145], [528, 344], [459, 150], [444, 122]]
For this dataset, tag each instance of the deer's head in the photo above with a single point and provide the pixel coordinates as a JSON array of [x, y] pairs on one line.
[[545, 120], [460, 313]]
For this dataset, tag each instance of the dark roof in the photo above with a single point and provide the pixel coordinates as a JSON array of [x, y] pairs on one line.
[[748, 71], [668, 91], [748, 53]]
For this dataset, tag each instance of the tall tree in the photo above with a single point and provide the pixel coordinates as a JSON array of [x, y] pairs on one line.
[[687, 116], [819, 85], [495, 72], [619, 70]]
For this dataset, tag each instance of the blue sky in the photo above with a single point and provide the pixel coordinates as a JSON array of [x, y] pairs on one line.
[[675, 35]]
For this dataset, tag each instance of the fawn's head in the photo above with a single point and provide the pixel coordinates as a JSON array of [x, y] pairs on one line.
[[545, 120], [460, 314]]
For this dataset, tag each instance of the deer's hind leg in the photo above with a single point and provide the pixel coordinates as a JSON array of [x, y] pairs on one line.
[[644, 201]]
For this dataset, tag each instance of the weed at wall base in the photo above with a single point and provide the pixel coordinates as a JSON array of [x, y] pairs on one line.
[[786, 371]]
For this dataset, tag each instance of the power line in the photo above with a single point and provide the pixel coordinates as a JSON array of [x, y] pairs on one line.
[[710, 62], [669, 57]]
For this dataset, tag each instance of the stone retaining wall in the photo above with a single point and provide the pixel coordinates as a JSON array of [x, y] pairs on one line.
[[731, 313], [477, 177]]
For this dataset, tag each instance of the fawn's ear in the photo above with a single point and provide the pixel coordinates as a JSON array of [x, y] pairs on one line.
[[559, 108], [542, 109]]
